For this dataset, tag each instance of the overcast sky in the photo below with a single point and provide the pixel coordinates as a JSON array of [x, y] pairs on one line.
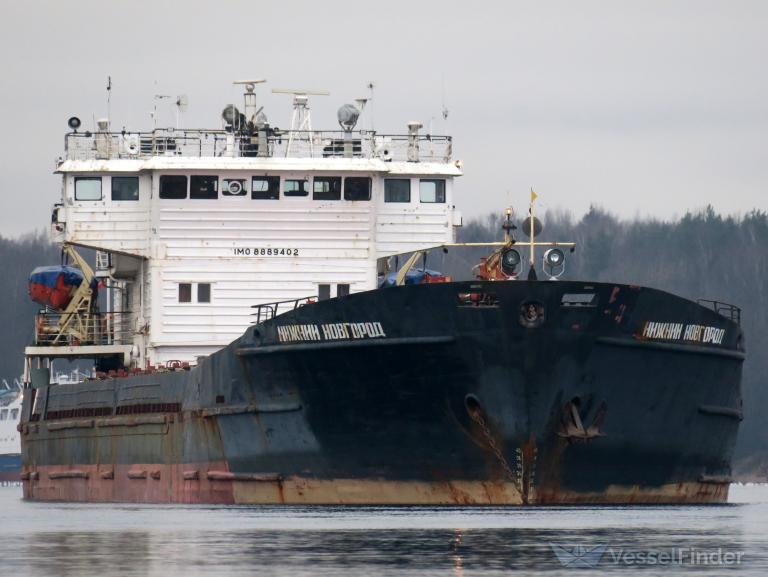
[[645, 108]]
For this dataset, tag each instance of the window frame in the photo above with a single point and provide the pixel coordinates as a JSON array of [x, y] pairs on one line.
[[293, 194], [112, 188], [273, 187], [197, 292], [166, 178], [370, 188], [438, 190], [188, 299], [328, 180], [211, 179], [243, 187], [192, 291], [410, 187], [91, 179]]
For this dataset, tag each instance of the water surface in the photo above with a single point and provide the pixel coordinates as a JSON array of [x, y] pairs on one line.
[[39, 539]]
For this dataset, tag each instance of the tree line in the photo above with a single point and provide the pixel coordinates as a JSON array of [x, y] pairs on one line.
[[17, 311]]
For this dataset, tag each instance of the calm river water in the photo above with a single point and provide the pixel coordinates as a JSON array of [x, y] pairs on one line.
[[105, 540]]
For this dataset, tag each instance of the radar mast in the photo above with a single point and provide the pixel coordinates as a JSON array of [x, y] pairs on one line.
[[301, 120]]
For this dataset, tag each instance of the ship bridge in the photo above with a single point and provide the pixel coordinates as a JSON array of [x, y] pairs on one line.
[[195, 227]]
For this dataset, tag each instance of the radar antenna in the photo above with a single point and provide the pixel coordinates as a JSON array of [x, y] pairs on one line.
[[301, 121], [249, 98]]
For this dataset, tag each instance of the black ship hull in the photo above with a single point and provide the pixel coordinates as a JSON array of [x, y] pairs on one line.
[[454, 393]]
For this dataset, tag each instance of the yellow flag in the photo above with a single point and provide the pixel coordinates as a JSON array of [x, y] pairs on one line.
[[534, 196]]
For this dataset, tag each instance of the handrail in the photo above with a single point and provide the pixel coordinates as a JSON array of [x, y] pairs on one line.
[[267, 143], [115, 328], [267, 311], [726, 310]]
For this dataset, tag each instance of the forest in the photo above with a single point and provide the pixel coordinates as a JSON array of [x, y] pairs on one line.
[[700, 255], [17, 312]]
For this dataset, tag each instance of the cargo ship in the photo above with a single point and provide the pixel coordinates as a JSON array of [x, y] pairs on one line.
[[264, 330]]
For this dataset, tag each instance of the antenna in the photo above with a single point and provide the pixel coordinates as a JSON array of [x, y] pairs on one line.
[[370, 87], [532, 228], [444, 107], [250, 82], [249, 98], [301, 121], [182, 103], [109, 97], [300, 92], [156, 98]]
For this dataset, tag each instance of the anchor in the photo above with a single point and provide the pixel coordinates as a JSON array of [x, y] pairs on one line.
[[572, 426]]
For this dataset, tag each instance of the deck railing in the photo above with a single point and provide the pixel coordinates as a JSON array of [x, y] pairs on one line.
[[267, 311], [93, 329], [169, 142], [726, 310]]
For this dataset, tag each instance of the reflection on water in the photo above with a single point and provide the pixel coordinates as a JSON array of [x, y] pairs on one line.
[[82, 540]]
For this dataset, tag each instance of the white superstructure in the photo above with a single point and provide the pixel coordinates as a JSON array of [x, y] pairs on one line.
[[195, 227], [10, 411]]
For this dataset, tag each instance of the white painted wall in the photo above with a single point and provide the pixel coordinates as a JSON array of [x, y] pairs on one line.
[[196, 241]]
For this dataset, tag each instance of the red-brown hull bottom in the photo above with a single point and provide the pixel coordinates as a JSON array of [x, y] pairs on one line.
[[212, 483]]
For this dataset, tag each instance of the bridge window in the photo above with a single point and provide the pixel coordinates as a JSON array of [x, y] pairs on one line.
[[233, 187], [323, 292], [397, 190], [3, 414], [294, 187], [432, 191], [265, 188], [14, 414], [203, 187], [326, 188], [173, 186], [357, 188], [125, 188], [342, 290], [88, 188]]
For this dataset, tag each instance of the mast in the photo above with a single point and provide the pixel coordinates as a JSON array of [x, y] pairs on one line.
[[531, 238]]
